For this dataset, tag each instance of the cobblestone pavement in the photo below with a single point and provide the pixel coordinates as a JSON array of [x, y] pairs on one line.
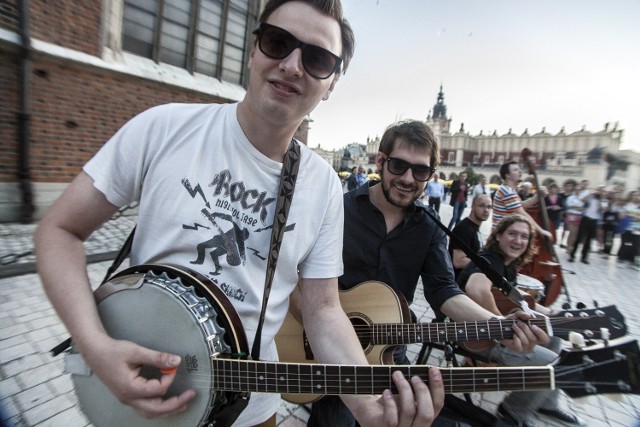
[[34, 391]]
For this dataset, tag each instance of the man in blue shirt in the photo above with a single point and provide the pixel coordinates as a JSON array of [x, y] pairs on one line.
[[435, 192]]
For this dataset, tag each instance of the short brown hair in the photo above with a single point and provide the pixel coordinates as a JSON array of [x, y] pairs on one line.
[[332, 8], [493, 245], [414, 133]]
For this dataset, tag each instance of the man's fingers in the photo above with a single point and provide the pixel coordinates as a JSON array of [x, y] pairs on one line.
[[159, 407], [428, 400], [406, 399]]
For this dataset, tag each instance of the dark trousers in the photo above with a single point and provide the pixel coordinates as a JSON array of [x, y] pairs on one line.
[[586, 233], [609, 230], [629, 247], [434, 202]]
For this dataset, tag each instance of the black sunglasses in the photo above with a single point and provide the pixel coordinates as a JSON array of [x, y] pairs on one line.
[[399, 167], [277, 43]]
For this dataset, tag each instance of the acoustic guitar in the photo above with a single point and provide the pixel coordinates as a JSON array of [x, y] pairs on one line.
[[381, 319], [173, 309]]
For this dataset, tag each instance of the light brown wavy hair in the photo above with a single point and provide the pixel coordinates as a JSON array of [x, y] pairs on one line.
[[493, 245]]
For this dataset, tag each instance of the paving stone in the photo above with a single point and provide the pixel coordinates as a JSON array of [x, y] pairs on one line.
[[39, 375], [34, 396], [9, 387], [23, 364], [47, 410], [71, 417], [13, 330], [15, 352]]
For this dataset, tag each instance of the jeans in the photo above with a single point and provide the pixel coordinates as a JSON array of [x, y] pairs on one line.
[[458, 208]]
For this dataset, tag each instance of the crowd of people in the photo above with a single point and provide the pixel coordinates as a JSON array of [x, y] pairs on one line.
[[226, 168], [599, 220]]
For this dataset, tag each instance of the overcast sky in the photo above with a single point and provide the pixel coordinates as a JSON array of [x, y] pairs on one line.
[[515, 64]]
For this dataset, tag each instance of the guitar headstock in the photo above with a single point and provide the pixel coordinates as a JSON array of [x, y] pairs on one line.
[[588, 322], [603, 369]]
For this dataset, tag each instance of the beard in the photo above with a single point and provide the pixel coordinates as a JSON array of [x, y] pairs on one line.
[[404, 202]]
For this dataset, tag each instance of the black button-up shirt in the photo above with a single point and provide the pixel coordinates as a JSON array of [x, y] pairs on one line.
[[415, 248]]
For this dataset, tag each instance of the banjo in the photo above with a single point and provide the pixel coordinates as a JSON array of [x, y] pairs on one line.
[[174, 309]]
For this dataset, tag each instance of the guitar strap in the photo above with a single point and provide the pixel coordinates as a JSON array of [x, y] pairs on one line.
[[283, 203], [507, 288]]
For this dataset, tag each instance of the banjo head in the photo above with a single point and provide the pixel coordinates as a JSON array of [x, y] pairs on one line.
[[162, 309]]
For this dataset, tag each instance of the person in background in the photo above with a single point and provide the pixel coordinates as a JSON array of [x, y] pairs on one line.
[[186, 163], [591, 215], [507, 202], [510, 246], [480, 188], [573, 214], [352, 181], [568, 187], [362, 176], [630, 234], [389, 237], [525, 192], [468, 230], [554, 204], [611, 217], [435, 192], [459, 189]]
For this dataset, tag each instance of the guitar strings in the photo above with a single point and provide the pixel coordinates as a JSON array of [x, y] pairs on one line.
[[494, 329], [455, 379]]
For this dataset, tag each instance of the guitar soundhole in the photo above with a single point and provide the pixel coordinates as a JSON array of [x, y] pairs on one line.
[[363, 330]]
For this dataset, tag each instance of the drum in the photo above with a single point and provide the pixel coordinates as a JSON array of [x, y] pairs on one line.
[[532, 286]]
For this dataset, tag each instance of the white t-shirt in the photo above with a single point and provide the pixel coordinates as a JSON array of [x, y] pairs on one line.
[[207, 199]]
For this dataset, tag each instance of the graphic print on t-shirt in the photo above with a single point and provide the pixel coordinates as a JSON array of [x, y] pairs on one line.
[[232, 214]]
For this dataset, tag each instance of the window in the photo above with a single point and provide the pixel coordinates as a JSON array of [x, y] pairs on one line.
[[205, 36]]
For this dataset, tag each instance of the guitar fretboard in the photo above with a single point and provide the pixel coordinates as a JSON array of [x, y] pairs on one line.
[[273, 377], [408, 333]]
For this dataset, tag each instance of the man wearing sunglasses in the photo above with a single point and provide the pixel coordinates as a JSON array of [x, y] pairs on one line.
[[218, 167], [389, 237]]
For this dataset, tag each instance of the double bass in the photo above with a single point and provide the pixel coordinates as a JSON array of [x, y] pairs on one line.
[[545, 267]]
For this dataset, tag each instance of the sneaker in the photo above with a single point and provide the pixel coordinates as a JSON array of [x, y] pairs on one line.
[[563, 416], [572, 258], [510, 420], [585, 261]]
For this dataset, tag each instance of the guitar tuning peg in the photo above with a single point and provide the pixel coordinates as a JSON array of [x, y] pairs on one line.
[[581, 305], [576, 339], [566, 306]]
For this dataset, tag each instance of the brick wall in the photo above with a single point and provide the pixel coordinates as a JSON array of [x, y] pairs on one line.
[[75, 110], [9, 108], [75, 24]]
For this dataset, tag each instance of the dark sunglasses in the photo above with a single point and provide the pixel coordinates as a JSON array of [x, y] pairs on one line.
[[277, 43], [399, 167]]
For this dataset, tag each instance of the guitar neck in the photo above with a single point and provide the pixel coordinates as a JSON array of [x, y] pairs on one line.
[[274, 377], [408, 333]]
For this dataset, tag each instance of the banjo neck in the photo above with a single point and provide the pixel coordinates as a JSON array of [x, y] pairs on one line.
[[274, 377]]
